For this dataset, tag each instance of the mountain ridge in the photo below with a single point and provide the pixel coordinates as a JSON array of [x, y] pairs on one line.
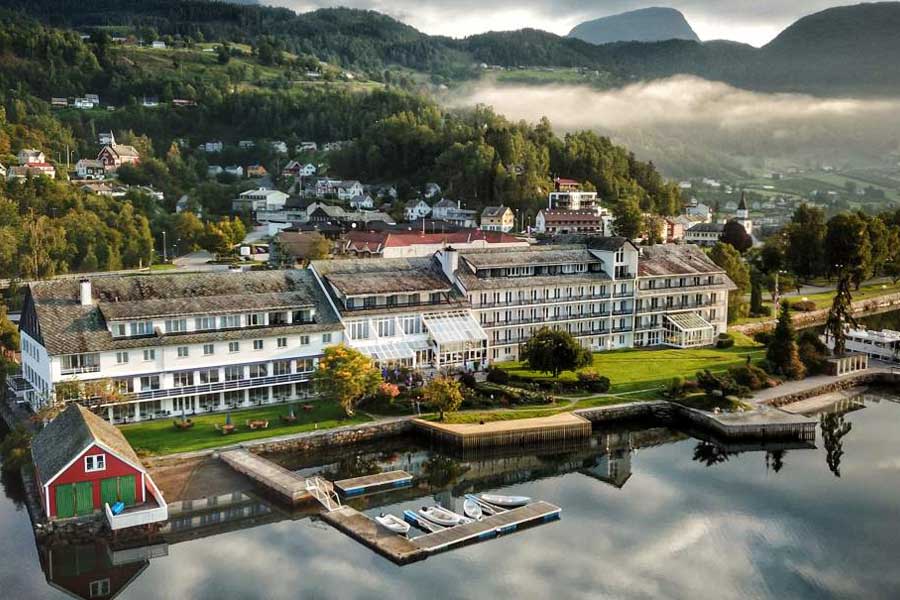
[[654, 24]]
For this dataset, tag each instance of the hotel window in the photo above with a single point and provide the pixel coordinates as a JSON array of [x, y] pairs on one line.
[[183, 352], [124, 386], [326, 338], [230, 321], [120, 330], [386, 328], [306, 365], [370, 302], [149, 355], [435, 297], [95, 462], [256, 319], [149, 382], [304, 340], [141, 328], [259, 395], [302, 316], [278, 318], [209, 376], [281, 367], [209, 349], [257, 344], [176, 325], [204, 323], [359, 330], [257, 371], [234, 347], [282, 342], [234, 373], [121, 358], [183, 379]]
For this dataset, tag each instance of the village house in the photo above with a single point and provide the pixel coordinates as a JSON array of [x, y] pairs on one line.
[[30, 156], [431, 190], [279, 147], [362, 201], [150, 102], [235, 171], [452, 212], [498, 218], [561, 221], [246, 144], [306, 147], [84, 466], [416, 209], [83, 103], [261, 199], [698, 209], [296, 169], [116, 155], [2, 171], [704, 234], [211, 147], [158, 45], [347, 190], [59, 102], [214, 170], [87, 168], [106, 138], [31, 170], [256, 171]]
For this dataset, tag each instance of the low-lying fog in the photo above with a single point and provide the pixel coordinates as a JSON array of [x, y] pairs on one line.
[[690, 126]]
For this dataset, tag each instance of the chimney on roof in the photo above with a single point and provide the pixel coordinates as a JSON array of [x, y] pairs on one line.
[[450, 263], [86, 299]]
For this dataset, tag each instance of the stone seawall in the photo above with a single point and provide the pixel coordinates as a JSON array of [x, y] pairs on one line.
[[299, 442], [622, 412], [862, 308], [859, 380]]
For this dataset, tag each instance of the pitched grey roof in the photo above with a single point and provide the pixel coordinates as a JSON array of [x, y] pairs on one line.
[[494, 211], [70, 433], [708, 228], [67, 327], [675, 259], [355, 277], [527, 256]]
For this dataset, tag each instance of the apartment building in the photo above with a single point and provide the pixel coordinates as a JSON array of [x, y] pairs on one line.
[[682, 297], [585, 290], [404, 311], [156, 346]]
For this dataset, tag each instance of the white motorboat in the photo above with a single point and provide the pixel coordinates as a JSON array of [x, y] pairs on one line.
[[505, 501], [395, 524], [442, 516], [473, 509]]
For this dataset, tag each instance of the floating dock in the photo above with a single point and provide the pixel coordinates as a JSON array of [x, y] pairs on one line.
[[286, 484], [373, 484], [540, 430], [402, 550], [763, 423]]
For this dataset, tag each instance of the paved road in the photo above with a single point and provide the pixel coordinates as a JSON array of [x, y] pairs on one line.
[[197, 261]]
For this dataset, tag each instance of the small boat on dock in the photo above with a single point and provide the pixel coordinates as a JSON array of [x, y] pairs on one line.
[[393, 523], [472, 509], [421, 522], [442, 516], [505, 501]]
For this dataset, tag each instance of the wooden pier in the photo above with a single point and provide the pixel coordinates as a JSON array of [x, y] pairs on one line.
[[521, 432], [402, 550], [286, 484], [373, 484]]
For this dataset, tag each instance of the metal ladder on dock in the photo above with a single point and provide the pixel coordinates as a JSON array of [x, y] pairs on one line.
[[324, 492]]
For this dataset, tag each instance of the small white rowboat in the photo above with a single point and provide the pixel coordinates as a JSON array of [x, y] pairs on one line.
[[472, 509], [395, 524], [442, 516], [505, 501]]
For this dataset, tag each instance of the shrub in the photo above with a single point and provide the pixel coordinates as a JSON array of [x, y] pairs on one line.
[[804, 306], [388, 391], [468, 380], [725, 341], [762, 311], [592, 381], [813, 352], [498, 376], [763, 337], [749, 376], [675, 387]]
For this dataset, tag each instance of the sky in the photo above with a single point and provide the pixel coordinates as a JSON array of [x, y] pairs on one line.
[[750, 21]]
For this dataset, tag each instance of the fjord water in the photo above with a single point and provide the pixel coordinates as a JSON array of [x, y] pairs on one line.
[[675, 518]]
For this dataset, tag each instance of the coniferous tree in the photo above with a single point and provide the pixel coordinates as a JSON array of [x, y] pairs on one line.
[[756, 301], [783, 354], [840, 315]]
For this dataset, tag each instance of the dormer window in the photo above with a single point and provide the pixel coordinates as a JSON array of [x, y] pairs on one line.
[[141, 328], [119, 330]]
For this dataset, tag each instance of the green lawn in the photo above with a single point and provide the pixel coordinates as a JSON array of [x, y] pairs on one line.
[[641, 369], [161, 437]]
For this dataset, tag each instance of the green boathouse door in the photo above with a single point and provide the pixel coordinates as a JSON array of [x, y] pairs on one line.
[[109, 491], [126, 489], [65, 501], [84, 498]]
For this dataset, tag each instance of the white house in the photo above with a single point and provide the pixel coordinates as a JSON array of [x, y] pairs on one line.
[[362, 201], [90, 169], [83, 103], [306, 147], [246, 144], [347, 190], [214, 170], [261, 199], [29, 156], [158, 45], [235, 170], [279, 147], [212, 147], [106, 138], [416, 209]]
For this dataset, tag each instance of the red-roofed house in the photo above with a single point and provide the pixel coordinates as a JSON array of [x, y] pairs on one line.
[[116, 155], [389, 244], [566, 185]]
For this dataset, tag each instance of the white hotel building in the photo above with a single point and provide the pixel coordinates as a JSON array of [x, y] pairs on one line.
[[176, 343], [213, 341]]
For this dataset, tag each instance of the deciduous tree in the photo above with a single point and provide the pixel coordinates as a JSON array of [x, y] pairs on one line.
[[347, 375], [553, 351], [443, 394]]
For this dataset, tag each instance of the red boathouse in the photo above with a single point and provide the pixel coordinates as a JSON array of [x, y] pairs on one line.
[[83, 463]]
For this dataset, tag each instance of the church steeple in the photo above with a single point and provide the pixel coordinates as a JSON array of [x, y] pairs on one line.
[[743, 212]]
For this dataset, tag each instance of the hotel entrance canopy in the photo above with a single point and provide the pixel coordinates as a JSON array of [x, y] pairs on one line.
[[688, 330], [454, 328]]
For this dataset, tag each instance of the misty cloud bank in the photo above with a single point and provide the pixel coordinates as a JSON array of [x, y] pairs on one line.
[[687, 124]]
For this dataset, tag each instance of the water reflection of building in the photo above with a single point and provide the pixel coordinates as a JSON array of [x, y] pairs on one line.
[[94, 570], [613, 468]]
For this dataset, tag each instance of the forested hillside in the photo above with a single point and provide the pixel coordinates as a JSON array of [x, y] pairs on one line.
[[847, 50], [399, 137]]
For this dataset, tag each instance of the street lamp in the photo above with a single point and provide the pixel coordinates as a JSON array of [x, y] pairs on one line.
[[165, 255]]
